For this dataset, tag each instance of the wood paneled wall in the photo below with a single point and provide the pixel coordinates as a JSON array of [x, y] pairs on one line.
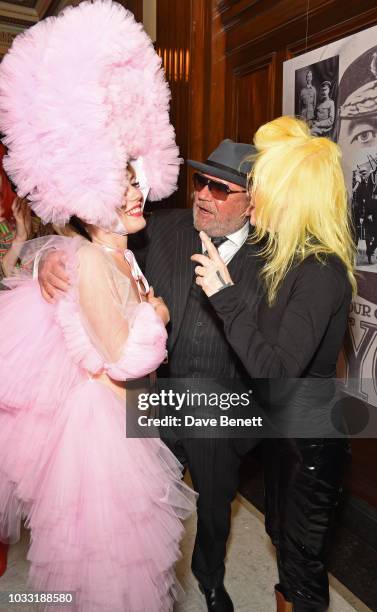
[[173, 44], [261, 34], [135, 6], [234, 50]]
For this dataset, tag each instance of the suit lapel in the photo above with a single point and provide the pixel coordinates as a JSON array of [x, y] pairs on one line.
[[243, 269], [187, 243]]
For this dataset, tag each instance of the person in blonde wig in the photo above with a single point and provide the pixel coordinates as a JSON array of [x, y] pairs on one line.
[[294, 329], [300, 200]]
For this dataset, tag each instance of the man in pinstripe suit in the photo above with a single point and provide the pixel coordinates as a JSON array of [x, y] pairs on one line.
[[197, 345]]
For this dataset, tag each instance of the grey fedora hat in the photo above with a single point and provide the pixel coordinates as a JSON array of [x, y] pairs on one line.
[[228, 162]]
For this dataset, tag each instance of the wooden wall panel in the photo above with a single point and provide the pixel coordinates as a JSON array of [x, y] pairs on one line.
[[281, 28], [216, 83], [251, 97], [173, 43], [136, 7]]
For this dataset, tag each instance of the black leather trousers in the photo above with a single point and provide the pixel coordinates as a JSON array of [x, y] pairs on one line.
[[303, 482]]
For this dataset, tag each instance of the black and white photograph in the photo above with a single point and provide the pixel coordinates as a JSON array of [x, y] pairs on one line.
[[363, 202], [316, 94], [357, 117], [357, 137]]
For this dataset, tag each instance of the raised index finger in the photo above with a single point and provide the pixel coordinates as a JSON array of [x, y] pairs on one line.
[[209, 247]]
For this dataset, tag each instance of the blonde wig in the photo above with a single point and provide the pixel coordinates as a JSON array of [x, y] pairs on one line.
[[300, 198]]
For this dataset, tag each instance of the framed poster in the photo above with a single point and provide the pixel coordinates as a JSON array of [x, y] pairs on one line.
[[334, 89]]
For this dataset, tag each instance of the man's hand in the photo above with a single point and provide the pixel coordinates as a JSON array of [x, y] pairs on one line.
[[159, 306], [52, 276], [212, 275]]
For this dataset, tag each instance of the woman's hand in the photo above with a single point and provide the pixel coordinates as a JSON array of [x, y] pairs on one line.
[[212, 275], [159, 305], [22, 215]]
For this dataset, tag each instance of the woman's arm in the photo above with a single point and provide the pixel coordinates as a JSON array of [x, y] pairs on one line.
[[131, 337], [318, 292], [10, 258], [52, 275], [22, 216]]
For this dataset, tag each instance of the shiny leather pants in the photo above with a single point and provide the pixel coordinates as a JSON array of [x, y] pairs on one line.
[[303, 482]]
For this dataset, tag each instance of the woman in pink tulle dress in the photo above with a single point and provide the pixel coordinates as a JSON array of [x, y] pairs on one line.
[[104, 510]]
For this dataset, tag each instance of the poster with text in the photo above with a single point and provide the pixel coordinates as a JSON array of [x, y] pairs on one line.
[[334, 89]]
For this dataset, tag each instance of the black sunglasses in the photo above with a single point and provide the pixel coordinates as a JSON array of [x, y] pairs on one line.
[[219, 191]]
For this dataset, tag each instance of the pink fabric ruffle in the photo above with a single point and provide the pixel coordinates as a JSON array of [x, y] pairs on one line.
[[142, 353], [104, 510], [82, 94]]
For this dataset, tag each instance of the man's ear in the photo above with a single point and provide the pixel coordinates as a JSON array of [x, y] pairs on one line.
[[250, 210], [251, 205]]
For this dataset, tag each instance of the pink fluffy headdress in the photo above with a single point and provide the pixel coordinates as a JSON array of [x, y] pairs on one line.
[[82, 94]]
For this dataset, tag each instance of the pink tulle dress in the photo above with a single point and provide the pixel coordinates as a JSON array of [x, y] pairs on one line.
[[104, 510]]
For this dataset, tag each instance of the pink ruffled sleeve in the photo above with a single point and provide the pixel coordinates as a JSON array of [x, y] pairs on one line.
[[105, 329], [145, 347]]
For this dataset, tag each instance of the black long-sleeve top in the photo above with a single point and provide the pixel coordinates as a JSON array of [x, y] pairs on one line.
[[302, 333]]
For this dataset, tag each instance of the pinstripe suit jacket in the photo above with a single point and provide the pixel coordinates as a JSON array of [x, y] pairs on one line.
[[171, 240]]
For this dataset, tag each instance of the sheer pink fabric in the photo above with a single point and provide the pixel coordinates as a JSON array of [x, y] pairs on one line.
[[104, 510], [107, 301], [113, 318]]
